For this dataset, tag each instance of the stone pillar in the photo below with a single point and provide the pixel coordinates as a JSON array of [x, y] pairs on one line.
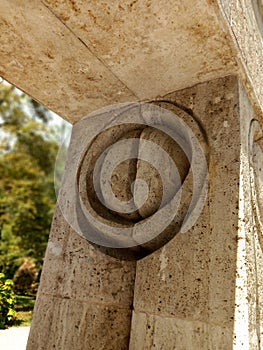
[[198, 288], [85, 296], [203, 290]]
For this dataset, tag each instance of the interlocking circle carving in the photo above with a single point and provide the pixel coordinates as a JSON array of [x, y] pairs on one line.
[[136, 176]]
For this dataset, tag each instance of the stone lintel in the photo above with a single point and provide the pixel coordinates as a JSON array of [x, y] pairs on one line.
[[76, 57]]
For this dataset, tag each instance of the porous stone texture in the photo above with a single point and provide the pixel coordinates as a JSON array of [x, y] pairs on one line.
[[75, 57], [152, 46], [249, 292], [244, 19], [85, 297], [106, 143], [155, 332], [44, 58], [78, 56], [151, 176], [199, 290], [78, 325], [203, 289]]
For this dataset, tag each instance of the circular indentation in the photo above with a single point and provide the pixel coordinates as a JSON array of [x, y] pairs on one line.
[[137, 176]]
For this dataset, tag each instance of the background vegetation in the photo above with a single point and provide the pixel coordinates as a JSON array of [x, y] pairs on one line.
[[28, 149], [7, 302]]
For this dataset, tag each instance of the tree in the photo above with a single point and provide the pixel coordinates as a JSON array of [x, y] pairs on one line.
[[28, 148]]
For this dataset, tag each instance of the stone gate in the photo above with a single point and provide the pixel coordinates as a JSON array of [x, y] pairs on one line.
[[165, 252]]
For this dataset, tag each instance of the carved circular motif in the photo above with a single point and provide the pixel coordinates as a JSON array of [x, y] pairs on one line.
[[137, 175]]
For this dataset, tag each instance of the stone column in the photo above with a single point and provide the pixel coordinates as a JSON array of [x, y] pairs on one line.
[[198, 282], [85, 296], [203, 289]]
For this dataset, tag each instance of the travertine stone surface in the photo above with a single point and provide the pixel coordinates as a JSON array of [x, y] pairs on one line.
[[249, 292], [154, 47], [151, 176], [246, 28], [203, 278], [127, 172], [155, 332], [85, 271], [44, 58], [203, 289], [78, 56], [76, 324], [85, 297]]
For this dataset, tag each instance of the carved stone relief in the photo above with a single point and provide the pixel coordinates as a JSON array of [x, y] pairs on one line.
[[139, 177]]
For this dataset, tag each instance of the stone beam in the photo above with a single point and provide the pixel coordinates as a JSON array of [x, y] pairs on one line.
[[75, 57], [154, 47], [41, 56]]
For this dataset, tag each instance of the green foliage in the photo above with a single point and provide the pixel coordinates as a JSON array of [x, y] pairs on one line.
[[7, 302], [28, 149]]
